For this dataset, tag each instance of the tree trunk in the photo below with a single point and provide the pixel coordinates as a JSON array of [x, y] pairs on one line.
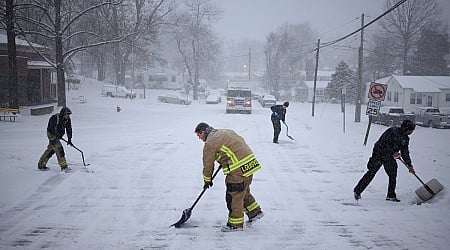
[[13, 82], [61, 82]]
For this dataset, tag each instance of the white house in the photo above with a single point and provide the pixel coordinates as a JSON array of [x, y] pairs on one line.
[[320, 90], [160, 78], [412, 92]]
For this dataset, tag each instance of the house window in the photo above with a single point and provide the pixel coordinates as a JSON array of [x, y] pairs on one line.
[[395, 96], [173, 79], [412, 99], [389, 96], [416, 98], [447, 97], [319, 92]]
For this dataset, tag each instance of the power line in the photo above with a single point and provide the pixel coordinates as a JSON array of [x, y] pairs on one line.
[[358, 30]]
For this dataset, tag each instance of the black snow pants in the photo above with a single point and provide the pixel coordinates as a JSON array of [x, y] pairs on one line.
[[374, 164], [276, 127]]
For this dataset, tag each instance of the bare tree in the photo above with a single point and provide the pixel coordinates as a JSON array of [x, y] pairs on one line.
[[56, 22], [287, 52], [142, 19], [8, 20], [406, 22], [196, 42]]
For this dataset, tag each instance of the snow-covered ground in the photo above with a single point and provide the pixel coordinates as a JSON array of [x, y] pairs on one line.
[[146, 163]]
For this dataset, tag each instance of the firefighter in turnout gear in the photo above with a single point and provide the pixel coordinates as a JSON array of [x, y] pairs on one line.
[[278, 113], [238, 164], [58, 125], [392, 144]]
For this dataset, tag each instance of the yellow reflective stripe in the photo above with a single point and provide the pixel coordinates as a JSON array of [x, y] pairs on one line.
[[236, 221], [207, 178], [252, 206], [229, 153], [236, 165]]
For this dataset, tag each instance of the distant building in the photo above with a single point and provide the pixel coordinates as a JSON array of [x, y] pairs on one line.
[[161, 78], [412, 92], [37, 81], [320, 90]]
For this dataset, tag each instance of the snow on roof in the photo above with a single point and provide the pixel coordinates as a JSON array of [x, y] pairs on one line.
[[424, 83], [319, 84], [39, 64], [4, 40]]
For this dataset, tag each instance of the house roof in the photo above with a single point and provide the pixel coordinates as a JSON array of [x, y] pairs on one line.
[[424, 83], [319, 84], [19, 42], [39, 65]]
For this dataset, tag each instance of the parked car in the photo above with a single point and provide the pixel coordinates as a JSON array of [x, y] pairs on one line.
[[432, 117], [392, 116], [445, 110], [173, 98], [214, 97], [117, 91], [268, 101]]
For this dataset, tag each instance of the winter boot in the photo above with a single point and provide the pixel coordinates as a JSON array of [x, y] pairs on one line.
[[394, 199], [43, 168], [66, 169], [258, 216], [229, 228]]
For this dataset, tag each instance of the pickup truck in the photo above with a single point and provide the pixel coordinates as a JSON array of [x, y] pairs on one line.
[[392, 116], [432, 117]]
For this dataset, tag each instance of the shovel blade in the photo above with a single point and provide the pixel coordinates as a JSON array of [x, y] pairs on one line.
[[184, 217], [428, 190], [290, 137]]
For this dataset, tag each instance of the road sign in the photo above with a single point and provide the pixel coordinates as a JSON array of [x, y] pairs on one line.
[[373, 106], [377, 91]]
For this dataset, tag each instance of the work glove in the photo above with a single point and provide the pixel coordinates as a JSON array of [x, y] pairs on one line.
[[69, 142], [207, 184], [397, 155]]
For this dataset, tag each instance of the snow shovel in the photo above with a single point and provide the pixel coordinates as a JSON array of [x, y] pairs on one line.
[[287, 131], [429, 189], [187, 212], [82, 155]]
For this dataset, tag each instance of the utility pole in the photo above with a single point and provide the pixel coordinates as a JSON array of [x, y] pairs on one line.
[[249, 62], [360, 72], [315, 76]]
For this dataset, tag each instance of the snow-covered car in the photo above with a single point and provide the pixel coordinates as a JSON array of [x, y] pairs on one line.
[[214, 97], [268, 101], [117, 91], [173, 98]]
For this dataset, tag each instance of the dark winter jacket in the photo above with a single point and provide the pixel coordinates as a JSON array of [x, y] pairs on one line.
[[58, 126], [393, 140], [278, 112]]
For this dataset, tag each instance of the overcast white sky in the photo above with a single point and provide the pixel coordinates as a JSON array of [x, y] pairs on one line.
[[254, 19]]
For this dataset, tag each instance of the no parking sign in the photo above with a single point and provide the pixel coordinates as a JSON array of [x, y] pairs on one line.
[[377, 91]]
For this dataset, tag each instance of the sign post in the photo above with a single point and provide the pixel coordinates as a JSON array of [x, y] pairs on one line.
[[377, 92]]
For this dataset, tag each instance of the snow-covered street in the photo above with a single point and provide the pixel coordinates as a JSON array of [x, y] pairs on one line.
[[146, 163]]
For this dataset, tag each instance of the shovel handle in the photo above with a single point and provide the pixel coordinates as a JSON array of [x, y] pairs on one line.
[[403, 161], [204, 189]]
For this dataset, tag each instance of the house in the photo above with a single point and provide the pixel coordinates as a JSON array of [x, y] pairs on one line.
[[36, 77], [161, 78], [320, 90], [412, 92]]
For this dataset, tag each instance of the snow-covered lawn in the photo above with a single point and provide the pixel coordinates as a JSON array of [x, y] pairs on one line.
[[146, 163]]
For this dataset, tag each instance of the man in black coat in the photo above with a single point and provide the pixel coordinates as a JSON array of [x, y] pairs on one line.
[[57, 126], [278, 113], [392, 144]]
